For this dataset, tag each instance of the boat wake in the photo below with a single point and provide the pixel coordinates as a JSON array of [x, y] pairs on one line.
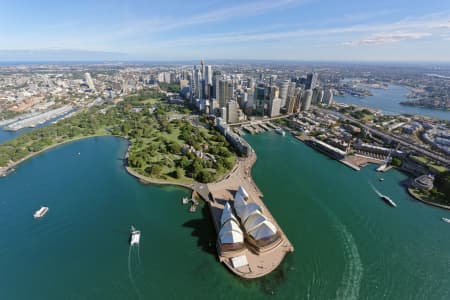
[[353, 273], [375, 190], [354, 270], [130, 274]]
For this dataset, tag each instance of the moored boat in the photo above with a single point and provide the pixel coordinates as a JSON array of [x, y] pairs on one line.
[[40, 212], [280, 131], [446, 220]]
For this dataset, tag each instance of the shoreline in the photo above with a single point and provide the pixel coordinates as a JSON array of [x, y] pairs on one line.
[[412, 194], [4, 171]]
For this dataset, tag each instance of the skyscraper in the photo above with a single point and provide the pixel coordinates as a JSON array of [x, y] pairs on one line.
[[311, 81], [223, 96], [208, 82], [260, 97], [284, 92], [317, 95], [328, 97], [89, 81], [306, 101], [275, 105], [274, 92], [232, 112]]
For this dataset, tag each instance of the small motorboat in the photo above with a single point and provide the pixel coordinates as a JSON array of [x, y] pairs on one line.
[[446, 220], [381, 179], [135, 236], [40, 212]]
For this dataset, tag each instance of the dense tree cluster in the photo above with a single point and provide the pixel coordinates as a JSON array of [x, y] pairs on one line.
[[156, 143]]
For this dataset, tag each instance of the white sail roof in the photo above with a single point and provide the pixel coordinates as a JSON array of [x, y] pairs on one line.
[[250, 209], [263, 230], [241, 191], [231, 226], [227, 214], [254, 220], [231, 237], [230, 233]]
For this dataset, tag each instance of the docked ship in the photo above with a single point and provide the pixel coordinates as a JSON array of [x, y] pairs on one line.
[[446, 220], [135, 236], [280, 131], [40, 212]]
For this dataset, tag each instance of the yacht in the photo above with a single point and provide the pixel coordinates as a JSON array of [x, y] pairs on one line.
[[388, 200], [280, 131], [446, 220], [135, 236], [40, 212], [384, 197]]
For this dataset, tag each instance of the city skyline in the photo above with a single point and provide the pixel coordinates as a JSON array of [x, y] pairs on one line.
[[300, 30]]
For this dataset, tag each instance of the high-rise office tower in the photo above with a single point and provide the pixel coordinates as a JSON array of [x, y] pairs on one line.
[[243, 99], [274, 92], [306, 101], [298, 101], [311, 81], [317, 95], [284, 92], [223, 96], [199, 84], [275, 106], [290, 103], [260, 98], [208, 74], [232, 112], [89, 81], [251, 83], [328, 97]]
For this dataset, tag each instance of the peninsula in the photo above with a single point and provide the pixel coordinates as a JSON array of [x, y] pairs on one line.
[[169, 145]]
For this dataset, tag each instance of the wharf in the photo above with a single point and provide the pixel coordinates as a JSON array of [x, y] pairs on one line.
[[260, 263]]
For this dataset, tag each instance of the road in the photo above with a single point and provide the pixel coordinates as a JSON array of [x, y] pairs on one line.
[[437, 157]]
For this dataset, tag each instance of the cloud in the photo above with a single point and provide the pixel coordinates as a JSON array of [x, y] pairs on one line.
[[383, 38], [213, 16], [376, 33]]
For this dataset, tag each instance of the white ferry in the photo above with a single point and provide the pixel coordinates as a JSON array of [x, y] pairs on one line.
[[135, 236], [280, 131], [40, 212], [388, 200]]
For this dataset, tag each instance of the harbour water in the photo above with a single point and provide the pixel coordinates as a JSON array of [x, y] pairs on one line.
[[388, 100], [348, 243]]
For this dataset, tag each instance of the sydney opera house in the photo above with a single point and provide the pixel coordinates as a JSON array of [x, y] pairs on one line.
[[250, 228]]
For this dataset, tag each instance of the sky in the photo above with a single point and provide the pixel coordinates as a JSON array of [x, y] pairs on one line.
[[154, 30]]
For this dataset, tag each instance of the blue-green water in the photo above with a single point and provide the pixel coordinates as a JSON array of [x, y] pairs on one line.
[[348, 243], [388, 100]]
